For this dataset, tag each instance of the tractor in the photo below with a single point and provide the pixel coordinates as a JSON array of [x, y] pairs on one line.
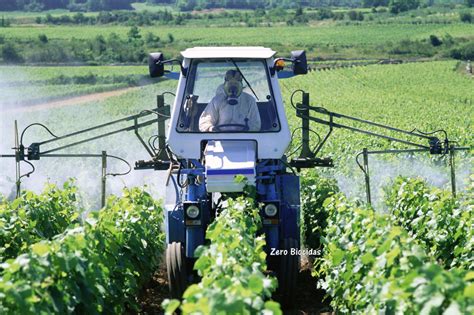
[[207, 161]]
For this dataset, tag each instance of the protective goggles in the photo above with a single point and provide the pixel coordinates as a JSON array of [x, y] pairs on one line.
[[233, 75]]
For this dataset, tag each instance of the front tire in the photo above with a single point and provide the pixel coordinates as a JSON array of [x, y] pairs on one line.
[[176, 268]]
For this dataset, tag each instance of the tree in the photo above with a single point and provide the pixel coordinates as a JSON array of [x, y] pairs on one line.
[[134, 34], [465, 17], [374, 3], [8, 6], [464, 52], [435, 41], [43, 38], [4, 22], [352, 15], [469, 3], [397, 6], [34, 6]]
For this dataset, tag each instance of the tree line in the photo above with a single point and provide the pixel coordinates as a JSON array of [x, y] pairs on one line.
[[189, 5], [396, 6], [73, 5]]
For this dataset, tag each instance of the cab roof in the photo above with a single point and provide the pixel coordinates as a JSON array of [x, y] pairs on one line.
[[228, 52]]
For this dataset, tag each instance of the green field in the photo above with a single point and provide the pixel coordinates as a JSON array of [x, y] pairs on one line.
[[428, 96], [27, 73], [298, 36]]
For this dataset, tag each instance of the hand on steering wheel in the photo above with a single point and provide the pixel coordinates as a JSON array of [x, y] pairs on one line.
[[233, 127]]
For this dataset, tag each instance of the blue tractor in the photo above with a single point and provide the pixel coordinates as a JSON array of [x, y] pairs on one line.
[[229, 120]]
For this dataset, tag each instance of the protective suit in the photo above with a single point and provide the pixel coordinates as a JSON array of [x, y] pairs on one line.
[[230, 106]]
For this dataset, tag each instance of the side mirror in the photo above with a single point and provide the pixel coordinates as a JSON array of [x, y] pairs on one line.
[[155, 65], [300, 65]]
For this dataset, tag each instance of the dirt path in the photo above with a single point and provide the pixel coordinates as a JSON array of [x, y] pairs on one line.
[[71, 100]]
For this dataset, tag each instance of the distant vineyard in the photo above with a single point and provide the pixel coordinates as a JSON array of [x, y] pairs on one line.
[[297, 36]]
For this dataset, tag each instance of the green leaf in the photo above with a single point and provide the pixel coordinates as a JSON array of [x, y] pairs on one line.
[[367, 258], [40, 249], [272, 307], [256, 284], [384, 247], [469, 276], [192, 290], [170, 306], [391, 255], [469, 291], [337, 256]]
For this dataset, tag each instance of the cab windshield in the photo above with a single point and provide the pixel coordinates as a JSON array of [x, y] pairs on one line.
[[228, 96]]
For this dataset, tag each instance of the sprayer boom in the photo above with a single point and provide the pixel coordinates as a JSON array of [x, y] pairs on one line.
[[304, 110]]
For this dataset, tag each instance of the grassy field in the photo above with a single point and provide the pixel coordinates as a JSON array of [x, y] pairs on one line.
[[325, 41], [28, 73], [300, 36], [428, 96]]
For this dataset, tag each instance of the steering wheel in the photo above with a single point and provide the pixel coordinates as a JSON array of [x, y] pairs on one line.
[[231, 127]]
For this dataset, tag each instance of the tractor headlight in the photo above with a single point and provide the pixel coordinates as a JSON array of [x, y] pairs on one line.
[[270, 210], [192, 211]]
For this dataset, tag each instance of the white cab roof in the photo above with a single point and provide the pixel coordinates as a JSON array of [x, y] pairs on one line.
[[228, 52]]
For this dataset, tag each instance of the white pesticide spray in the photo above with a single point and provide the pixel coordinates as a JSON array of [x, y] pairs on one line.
[[86, 171], [382, 172]]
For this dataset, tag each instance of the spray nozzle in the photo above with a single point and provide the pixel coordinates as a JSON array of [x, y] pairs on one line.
[[436, 146]]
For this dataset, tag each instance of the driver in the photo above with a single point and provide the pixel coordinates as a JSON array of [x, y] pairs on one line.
[[230, 109]]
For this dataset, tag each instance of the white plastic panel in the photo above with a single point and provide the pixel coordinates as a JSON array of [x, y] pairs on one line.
[[226, 159], [228, 52]]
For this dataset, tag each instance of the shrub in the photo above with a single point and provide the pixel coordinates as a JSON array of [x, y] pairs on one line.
[[11, 54], [465, 17], [464, 52], [435, 41], [43, 38]]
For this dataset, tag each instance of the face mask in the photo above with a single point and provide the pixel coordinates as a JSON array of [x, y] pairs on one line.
[[233, 86], [232, 89]]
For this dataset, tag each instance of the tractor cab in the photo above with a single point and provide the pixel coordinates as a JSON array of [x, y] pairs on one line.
[[227, 93], [229, 120]]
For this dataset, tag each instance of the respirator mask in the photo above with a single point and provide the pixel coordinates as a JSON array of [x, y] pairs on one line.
[[233, 86]]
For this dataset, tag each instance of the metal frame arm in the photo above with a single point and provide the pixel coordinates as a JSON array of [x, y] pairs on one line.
[[435, 146], [162, 112]]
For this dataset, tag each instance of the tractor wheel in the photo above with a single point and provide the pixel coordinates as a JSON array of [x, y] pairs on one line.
[[288, 272], [176, 267]]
